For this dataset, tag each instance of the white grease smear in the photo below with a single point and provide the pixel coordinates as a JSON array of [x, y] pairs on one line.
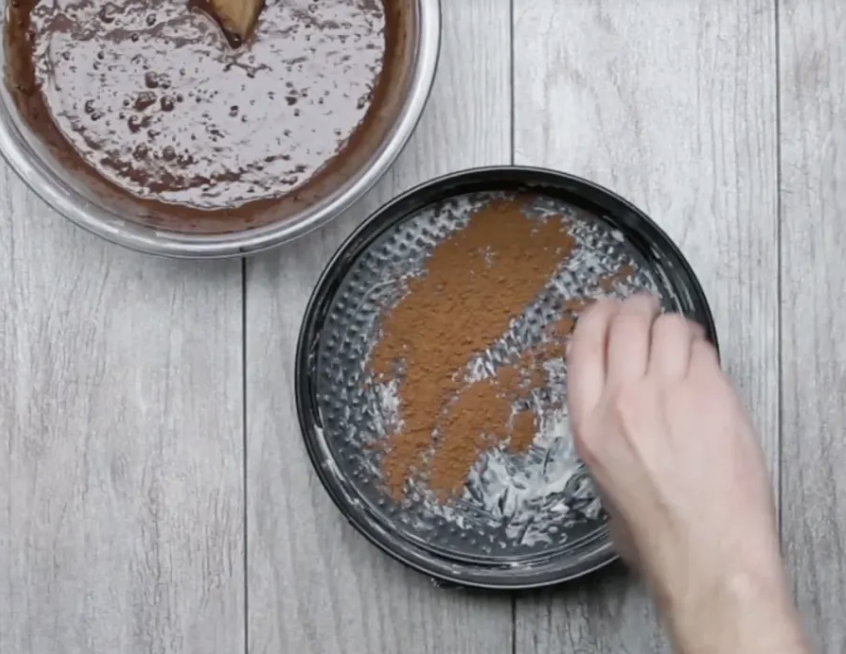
[[526, 499], [527, 494]]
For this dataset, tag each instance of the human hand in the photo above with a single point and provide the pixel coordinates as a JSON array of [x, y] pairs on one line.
[[678, 465]]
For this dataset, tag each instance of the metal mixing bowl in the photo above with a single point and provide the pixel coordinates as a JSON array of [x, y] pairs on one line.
[[73, 199]]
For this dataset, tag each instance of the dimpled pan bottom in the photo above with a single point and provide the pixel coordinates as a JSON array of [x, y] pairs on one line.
[[522, 520]]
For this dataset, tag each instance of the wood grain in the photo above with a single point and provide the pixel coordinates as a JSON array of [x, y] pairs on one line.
[[812, 40], [121, 487], [314, 585], [673, 105]]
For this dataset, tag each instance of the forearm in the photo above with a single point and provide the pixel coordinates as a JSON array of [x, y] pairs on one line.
[[743, 613]]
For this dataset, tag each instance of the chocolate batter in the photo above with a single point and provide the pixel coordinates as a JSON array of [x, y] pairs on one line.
[[146, 100]]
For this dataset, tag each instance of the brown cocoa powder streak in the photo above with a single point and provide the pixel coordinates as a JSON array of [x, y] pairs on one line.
[[522, 433], [476, 281]]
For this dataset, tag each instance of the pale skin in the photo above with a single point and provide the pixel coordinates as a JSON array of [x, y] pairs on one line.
[[681, 472]]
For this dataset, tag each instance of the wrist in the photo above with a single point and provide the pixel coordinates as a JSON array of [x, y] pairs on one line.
[[744, 611]]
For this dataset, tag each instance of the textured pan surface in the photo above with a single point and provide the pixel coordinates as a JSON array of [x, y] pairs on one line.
[[519, 514]]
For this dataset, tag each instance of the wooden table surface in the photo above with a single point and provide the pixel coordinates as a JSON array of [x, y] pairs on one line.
[[155, 497]]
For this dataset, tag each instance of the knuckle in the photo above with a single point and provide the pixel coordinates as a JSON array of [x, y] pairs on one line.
[[706, 352], [588, 451], [672, 322], [587, 441], [630, 405], [629, 398], [631, 321]]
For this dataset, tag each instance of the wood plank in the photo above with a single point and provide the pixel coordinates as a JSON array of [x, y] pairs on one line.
[[314, 585], [121, 485], [812, 53], [673, 105]]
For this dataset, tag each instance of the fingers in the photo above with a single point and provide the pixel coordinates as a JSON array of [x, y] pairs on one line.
[[623, 542], [586, 358], [673, 337], [617, 342], [629, 339], [703, 359]]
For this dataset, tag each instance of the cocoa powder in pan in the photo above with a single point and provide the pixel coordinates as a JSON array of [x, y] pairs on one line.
[[476, 281]]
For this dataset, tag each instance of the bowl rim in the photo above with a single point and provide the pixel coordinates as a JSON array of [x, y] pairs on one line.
[[25, 159], [343, 496]]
